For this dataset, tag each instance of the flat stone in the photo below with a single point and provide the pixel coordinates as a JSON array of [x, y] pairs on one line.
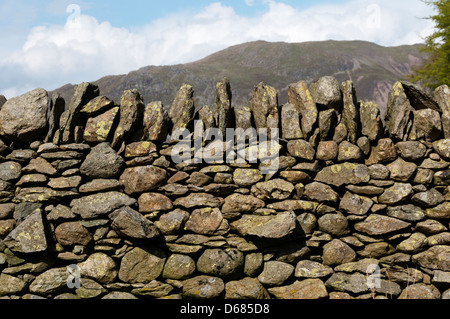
[[172, 222], [353, 283], [50, 282], [306, 289], [247, 288], [300, 96], [275, 273], [336, 252], [273, 189], [227, 263], [142, 148], [428, 199], [320, 192], [237, 204], [411, 150], [270, 227], [420, 291], [355, 204], [312, 269], [343, 174], [156, 122], [301, 149], [10, 285], [73, 233], [99, 129], [408, 213], [442, 147], [96, 205], [401, 171], [379, 225], [102, 162], [100, 185], [397, 194], [203, 287], [441, 211], [198, 200]]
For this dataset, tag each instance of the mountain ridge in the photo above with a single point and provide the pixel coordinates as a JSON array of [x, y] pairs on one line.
[[373, 69]]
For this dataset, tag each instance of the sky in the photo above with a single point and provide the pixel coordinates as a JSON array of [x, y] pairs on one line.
[[49, 43]]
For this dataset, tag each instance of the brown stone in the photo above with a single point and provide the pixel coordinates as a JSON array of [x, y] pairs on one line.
[[379, 225], [143, 178], [73, 233], [150, 202]]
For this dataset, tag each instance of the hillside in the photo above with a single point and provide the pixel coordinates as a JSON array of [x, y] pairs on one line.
[[373, 69]]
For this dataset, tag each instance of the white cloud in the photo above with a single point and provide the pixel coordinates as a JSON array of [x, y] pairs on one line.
[[86, 49], [249, 2]]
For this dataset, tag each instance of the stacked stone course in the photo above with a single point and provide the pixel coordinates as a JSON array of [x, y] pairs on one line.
[[358, 208]]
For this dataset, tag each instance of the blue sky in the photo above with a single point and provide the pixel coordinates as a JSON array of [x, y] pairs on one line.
[[53, 42]]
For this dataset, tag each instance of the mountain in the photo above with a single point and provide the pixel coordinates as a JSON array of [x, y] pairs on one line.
[[372, 68]]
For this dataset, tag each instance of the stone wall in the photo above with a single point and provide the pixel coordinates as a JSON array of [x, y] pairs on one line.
[[359, 206]]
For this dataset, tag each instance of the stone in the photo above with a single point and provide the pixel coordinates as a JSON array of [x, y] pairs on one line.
[[29, 236], [72, 117], [24, 118], [100, 204], [419, 98], [273, 189], [102, 162], [43, 195], [420, 291], [227, 264], [401, 171], [379, 225], [182, 109], [371, 124], [408, 213], [312, 269], [398, 112], [379, 171], [237, 204], [361, 266], [50, 282], [349, 152], [441, 211], [424, 176], [327, 151], [247, 177], [99, 267], [296, 176], [306, 289], [397, 194], [430, 227], [90, 289], [326, 92], [414, 244], [65, 182], [334, 224], [142, 265], [138, 149], [222, 106], [353, 283], [442, 147], [382, 153], [336, 252], [301, 149], [243, 117], [156, 122], [207, 221], [264, 106], [427, 125], [300, 96], [197, 200], [39, 166], [275, 273], [100, 185], [203, 287], [6, 210], [143, 179], [411, 150], [150, 202], [56, 108], [436, 257], [327, 122], [442, 97], [10, 285], [131, 116], [97, 105], [343, 174], [73, 233], [350, 111], [100, 128], [428, 199], [290, 122], [179, 267], [172, 222], [246, 288], [320, 192], [10, 171], [131, 224], [270, 227], [32, 179]]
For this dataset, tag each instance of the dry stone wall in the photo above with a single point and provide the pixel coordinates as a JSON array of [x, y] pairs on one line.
[[93, 204]]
